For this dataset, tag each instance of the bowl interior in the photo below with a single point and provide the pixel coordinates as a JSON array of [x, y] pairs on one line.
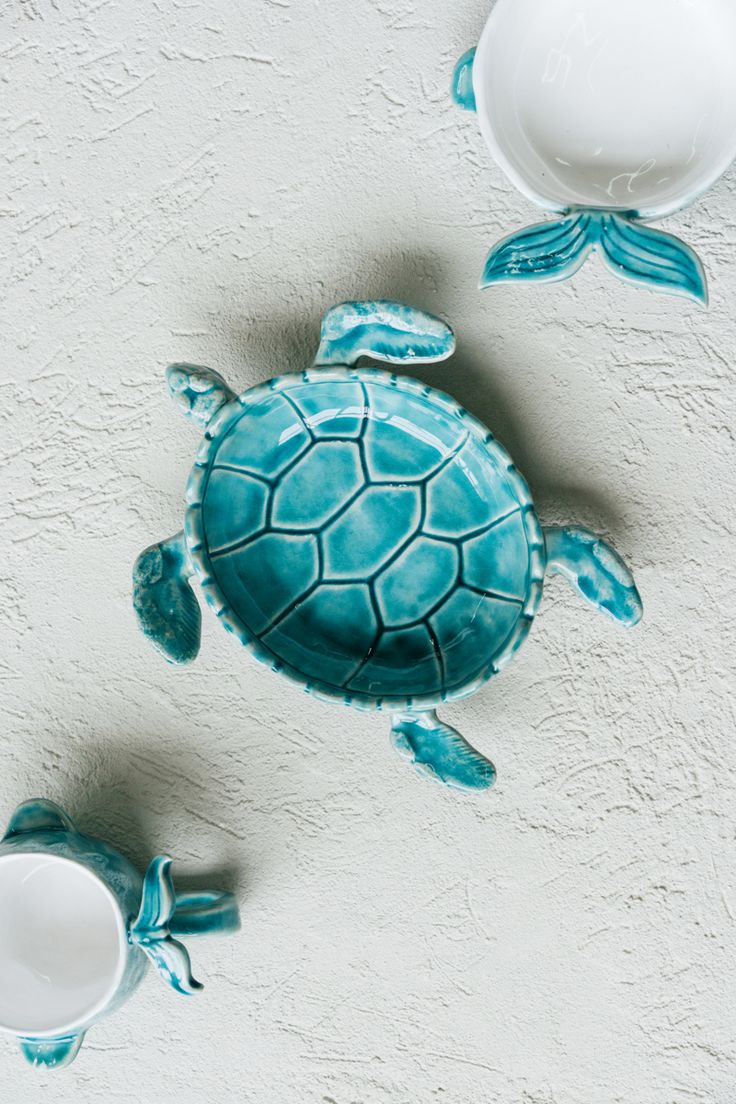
[[61, 943], [366, 537], [628, 105]]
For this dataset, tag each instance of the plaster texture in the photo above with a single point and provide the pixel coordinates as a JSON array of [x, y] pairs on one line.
[[199, 181]]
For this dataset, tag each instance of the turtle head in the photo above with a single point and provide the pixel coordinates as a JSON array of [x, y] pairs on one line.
[[199, 392]]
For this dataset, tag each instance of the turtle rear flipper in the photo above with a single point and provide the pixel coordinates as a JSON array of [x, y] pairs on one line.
[[595, 571], [167, 609], [440, 752], [387, 331]]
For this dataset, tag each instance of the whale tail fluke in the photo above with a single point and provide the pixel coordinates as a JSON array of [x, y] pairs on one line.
[[552, 251]]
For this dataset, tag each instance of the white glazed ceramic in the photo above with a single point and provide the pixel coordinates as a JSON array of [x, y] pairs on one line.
[[625, 110], [62, 944], [78, 928]]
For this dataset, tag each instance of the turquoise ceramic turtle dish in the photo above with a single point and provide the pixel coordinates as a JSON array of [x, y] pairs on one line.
[[365, 536]]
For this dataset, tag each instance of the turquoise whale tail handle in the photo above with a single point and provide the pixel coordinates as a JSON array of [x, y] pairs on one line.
[[166, 607], [163, 914], [51, 1053], [554, 250], [595, 571]]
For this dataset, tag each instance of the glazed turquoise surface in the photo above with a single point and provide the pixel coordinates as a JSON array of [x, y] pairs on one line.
[[149, 907], [555, 250], [364, 535], [639, 254], [462, 82]]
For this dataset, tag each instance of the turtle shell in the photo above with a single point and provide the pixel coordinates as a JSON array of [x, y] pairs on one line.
[[365, 535]]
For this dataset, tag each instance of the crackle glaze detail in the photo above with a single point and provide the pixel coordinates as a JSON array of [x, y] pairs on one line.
[[40, 827], [363, 535]]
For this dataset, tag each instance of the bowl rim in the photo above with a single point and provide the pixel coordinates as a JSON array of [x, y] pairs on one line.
[[81, 1023], [194, 533], [520, 182]]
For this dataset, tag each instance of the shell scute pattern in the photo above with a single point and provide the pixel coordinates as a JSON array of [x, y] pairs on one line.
[[319, 487], [275, 438], [270, 573], [397, 650], [489, 560], [469, 495], [416, 581], [364, 563], [342, 619], [366, 538], [343, 417], [482, 619], [225, 530], [396, 418]]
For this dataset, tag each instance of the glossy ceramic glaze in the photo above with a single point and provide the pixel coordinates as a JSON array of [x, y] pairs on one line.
[[627, 109], [362, 534], [62, 943], [366, 535], [78, 926]]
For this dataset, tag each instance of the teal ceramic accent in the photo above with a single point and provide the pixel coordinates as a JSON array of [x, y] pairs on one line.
[[606, 130], [52, 1053], [552, 251], [462, 82], [41, 938], [167, 608], [366, 537]]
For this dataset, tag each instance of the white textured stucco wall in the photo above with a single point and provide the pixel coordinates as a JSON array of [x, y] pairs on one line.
[[199, 180]]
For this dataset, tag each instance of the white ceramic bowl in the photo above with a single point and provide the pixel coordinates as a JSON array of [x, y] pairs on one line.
[[624, 110], [62, 944]]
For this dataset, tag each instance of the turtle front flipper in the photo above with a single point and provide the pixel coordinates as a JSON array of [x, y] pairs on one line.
[[462, 82], [595, 571], [165, 604], [199, 392], [440, 752], [386, 331]]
